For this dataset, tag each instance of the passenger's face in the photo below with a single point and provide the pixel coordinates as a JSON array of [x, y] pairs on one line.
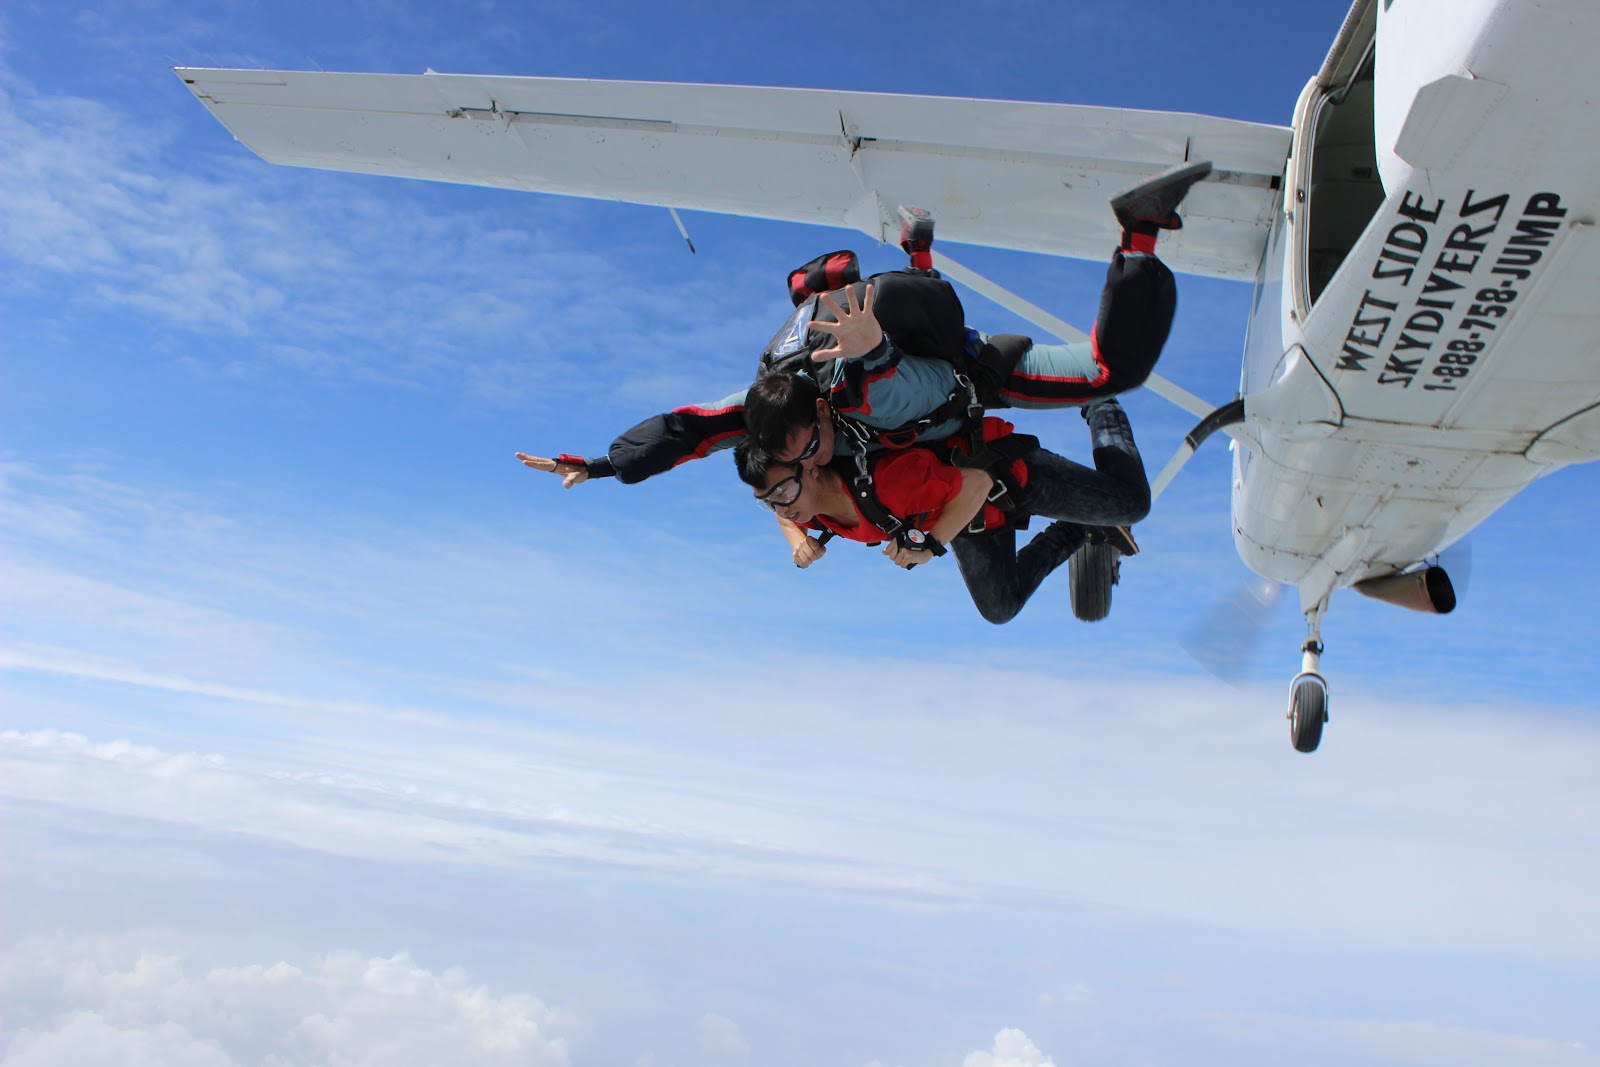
[[811, 446], [788, 491]]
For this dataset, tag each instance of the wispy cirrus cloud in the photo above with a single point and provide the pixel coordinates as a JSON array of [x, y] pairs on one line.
[[167, 578], [466, 808], [348, 279]]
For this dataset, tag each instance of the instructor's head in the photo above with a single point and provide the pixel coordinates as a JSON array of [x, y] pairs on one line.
[[787, 418]]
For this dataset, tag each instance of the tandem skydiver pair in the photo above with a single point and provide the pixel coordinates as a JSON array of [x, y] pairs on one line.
[[895, 389]]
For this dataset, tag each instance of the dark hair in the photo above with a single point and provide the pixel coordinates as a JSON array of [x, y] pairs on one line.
[[754, 462], [779, 403]]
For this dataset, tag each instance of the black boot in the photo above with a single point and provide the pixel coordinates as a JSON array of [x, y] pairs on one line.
[[1153, 205]]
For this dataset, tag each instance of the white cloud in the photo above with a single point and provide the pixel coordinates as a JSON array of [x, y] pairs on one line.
[[720, 1036], [85, 1039], [342, 1009], [1012, 1048]]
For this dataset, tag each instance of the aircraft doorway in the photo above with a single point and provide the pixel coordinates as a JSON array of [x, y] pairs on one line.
[[1340, 189]]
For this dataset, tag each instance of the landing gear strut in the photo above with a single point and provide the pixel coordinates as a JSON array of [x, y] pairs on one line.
[[1308, 693]]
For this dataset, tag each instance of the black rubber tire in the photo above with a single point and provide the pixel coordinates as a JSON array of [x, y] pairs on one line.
[[1308, 710], [1091, 572]]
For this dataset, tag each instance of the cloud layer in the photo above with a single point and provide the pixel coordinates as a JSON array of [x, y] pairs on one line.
[[405, 720]]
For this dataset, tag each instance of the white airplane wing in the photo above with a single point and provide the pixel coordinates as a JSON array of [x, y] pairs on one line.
[[1028, 176]]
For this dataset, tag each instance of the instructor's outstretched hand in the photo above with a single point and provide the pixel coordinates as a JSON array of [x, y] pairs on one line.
[[571, 473], [855, 334]]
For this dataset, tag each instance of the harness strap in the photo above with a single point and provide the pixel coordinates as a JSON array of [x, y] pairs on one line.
[[996, 459], [867, 501], [962, 403], [905, 532]]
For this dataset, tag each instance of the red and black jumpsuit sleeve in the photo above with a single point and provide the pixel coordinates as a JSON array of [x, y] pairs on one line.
[[662, 442]]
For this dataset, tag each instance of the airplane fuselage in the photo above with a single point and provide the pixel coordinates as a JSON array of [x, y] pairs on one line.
[[1425, 340]]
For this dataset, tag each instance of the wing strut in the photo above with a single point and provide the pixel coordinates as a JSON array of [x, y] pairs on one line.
[[1046, 321], [1211, 419]]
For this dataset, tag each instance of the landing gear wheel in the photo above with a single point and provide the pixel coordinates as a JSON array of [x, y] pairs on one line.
[[1308, 710], [1091, 572]]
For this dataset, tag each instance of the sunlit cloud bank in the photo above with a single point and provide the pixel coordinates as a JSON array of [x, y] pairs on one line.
[[67, 1005], [82, 1002], [1011, 1049]]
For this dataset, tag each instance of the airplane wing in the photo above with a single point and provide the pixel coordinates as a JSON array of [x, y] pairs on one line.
[[1027, 176]]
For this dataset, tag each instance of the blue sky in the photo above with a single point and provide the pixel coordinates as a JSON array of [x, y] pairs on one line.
[[330, 734]]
